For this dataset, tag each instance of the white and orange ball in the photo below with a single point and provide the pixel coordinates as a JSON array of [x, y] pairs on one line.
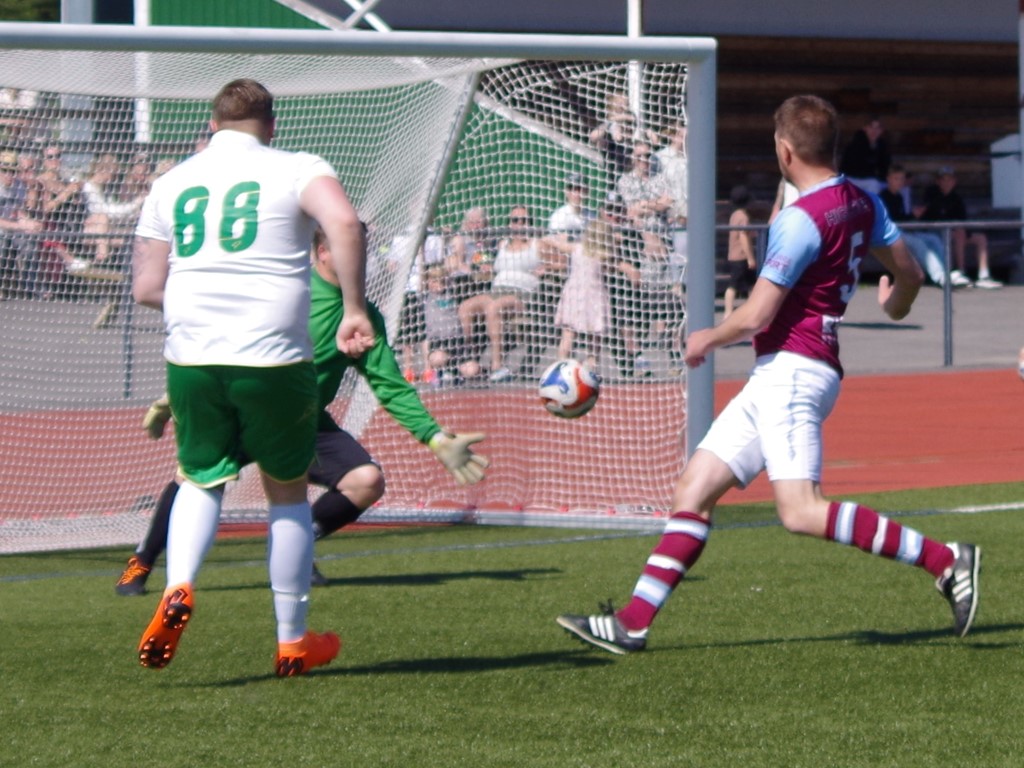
[[568, 389]]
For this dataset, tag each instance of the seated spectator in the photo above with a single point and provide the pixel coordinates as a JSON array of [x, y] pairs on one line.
[[109, 216], [470, 260], [925, 247], [63, 210], [518, 266], [17, 227], [866, 158], [447, 353], [412, 324], [740, 256], [943, 203]]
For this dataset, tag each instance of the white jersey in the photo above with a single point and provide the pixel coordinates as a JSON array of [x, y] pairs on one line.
[[238, 288]]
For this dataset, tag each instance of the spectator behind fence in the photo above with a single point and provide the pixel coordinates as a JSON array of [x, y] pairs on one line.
[[110, 216], [866, 158], [623, 278], [617, 133], [943, 203], [583, 308], [672, 164], [411, 325], [571, 219], [648, 199], [17, 229], [740, 256], [518, 267], [470, 257], [926, 247], [448, 357], [63, 211]]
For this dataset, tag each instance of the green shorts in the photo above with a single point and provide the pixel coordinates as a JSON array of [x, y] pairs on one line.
[[228, 415]]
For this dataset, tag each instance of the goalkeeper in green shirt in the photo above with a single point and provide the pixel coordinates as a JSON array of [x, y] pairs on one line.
[[353, 480]]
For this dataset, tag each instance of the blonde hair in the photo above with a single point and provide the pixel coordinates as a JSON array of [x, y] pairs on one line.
[[599, 240]]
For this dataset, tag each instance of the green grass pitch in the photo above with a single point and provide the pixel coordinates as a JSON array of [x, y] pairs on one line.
[[776, 651]]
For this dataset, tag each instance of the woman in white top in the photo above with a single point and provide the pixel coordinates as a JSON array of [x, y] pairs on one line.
[[108, 213], [517, 269]]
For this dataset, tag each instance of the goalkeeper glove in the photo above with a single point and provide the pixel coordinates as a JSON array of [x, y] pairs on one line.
[[156, 417], [454, 452]]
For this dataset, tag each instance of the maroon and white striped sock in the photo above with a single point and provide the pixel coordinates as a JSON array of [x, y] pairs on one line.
[[680, 546], [851, 524]]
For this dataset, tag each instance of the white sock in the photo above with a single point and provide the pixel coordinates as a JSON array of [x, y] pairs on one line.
[[290, 560], [190, 533]]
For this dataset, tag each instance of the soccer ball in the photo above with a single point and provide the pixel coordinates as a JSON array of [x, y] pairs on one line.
[[569, 390]]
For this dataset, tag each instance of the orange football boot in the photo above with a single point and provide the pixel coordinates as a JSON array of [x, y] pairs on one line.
[[160, 640], [300, 656]]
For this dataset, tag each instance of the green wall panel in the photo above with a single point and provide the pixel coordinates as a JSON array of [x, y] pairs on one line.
[[241, 13]]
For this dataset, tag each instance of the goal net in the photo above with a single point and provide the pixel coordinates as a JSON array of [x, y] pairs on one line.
[[479, 177]]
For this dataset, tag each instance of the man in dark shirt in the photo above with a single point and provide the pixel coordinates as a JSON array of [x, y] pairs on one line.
[[943, 203], [866, 158], [926, 247]]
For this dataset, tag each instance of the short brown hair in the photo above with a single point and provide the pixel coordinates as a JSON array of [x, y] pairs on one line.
[[243, 99], [811, 125]]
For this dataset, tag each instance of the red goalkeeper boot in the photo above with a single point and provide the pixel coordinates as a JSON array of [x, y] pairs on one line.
[[313, 650], [160, 640]]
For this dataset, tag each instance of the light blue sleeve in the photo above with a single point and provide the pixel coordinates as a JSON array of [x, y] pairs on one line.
[[793, 243], [885, 231]]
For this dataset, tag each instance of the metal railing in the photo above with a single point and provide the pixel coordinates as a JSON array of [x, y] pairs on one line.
[[944, 230]]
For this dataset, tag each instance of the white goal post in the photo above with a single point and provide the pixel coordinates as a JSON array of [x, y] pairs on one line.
[[442, 140]]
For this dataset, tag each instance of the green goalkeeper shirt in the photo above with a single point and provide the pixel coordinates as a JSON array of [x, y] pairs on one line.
[[378, 365]]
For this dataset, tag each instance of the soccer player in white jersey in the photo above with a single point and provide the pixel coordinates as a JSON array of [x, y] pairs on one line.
[[775, 422], [222, 247]]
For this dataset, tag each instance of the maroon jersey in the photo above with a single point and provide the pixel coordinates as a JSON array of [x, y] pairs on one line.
[[815, 247]]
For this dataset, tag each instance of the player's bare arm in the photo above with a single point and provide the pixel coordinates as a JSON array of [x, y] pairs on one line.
[[325, 200], [746, 321], [150, 266], [897, 296]]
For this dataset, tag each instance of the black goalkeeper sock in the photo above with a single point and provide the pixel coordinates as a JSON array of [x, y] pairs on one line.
[[156, 537], [332, 511]]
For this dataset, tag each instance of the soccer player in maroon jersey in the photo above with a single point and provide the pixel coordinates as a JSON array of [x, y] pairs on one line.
[[810, 273]]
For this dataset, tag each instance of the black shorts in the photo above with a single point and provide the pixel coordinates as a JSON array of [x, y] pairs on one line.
[[337, 454], [739, 276]]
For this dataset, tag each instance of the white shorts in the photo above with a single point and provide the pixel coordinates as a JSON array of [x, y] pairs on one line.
[[775, 421]]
